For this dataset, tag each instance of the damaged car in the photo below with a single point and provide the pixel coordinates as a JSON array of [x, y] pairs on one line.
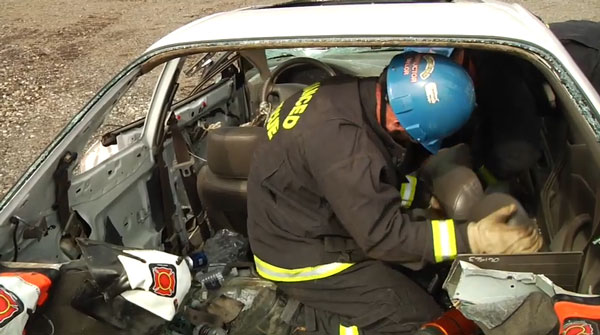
[[139, 226]]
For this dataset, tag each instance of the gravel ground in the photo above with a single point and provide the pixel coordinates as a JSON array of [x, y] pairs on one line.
[[55, 54]]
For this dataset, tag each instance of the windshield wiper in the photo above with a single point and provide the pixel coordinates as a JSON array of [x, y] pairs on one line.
[[382, 49], [281, 56]]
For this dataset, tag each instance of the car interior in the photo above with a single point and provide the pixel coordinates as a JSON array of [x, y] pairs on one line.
[[524, 130], [527, 139]]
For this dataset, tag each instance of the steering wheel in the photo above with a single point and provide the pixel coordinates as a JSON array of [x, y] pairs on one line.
[[285, 90]]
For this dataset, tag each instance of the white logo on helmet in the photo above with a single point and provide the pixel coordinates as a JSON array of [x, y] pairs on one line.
[[432, 93], [428, 67]]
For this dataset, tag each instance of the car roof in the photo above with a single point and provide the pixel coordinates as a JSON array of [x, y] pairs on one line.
[[291, 23], [295, 3], [330, 19]]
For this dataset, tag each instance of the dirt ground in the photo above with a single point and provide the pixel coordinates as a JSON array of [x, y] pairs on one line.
[[55, 54]]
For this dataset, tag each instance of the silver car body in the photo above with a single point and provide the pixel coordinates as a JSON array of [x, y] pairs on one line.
[[116, 188]]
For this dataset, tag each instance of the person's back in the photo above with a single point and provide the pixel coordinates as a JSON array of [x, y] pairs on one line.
[[291, 221], [291, 179]]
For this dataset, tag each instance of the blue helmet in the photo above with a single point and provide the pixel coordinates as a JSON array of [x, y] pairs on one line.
[[431, 50], [431, 96]]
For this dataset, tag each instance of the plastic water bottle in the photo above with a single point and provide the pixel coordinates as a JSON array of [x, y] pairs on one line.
[[196, 260], [205, 329], [212, 280]]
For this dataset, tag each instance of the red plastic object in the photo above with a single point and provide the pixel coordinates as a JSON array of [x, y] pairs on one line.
[[40, 280], [450, 323], [579, 317]]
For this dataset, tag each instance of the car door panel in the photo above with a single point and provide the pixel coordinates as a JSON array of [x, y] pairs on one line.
[[116, 191]]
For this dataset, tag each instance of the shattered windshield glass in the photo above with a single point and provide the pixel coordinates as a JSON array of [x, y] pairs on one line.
[[325, 52], [341, 51]]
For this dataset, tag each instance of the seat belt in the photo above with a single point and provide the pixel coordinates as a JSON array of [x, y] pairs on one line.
[[184, 162], [594, 238], [170, 236], [61, 189], [71, 224]]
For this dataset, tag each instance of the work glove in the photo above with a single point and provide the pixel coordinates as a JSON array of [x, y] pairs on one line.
[[491, 235], [492, 202]]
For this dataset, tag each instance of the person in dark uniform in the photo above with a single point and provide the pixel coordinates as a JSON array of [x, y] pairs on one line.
[[327, 192], [582, 41]]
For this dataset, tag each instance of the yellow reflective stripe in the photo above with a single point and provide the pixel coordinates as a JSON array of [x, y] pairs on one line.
[[487, 176], [407, 191], [444, 240], [276, 273], [352, 330]]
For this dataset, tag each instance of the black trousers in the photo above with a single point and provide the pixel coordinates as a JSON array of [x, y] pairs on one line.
[[370, 295]]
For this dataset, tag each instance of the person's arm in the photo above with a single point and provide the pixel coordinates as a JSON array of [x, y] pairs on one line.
[[350, 170], [415, 192]]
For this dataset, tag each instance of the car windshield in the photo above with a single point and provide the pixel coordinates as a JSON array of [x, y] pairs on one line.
[[324, 52]]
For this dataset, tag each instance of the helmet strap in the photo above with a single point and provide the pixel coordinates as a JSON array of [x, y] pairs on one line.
[[383, 99]]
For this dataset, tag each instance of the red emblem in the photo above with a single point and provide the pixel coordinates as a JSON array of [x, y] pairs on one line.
[[579, 327], [10, 306], [164, 279]]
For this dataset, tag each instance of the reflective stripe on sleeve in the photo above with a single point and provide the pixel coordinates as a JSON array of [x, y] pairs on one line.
[[352, 330], [407, 191], [444, 240], [276, 273]]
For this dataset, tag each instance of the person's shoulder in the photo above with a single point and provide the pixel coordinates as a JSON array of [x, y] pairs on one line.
[[338, 81], [581, 31], [338, 100]]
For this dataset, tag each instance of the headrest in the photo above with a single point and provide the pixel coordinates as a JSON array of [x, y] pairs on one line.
[[457, 189], [438, 164], [230, 150]]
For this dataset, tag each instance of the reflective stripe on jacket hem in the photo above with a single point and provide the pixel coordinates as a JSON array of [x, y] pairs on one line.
[[276, 273], [444, 240]]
